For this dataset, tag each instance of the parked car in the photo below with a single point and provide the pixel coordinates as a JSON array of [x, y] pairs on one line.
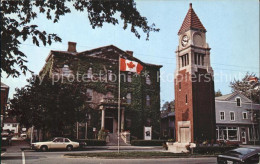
[[23, 135], [6, 137], [240, 155], [57, 143]]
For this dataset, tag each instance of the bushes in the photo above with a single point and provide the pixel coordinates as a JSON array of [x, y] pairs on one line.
[[212, 149], [147, 142], [93, 142]]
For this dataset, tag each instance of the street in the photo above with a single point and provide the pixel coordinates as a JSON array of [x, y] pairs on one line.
[[56, 157]]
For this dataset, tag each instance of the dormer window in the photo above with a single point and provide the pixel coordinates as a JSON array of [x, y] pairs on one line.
[[238, 101], [66, 70]]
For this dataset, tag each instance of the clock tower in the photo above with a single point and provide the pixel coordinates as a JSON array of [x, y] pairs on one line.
[[193, 83]]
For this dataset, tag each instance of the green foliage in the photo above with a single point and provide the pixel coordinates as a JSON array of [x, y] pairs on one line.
[[48, 106], [218, 93], [93, 142], [212, 149], [102, 134], [148, 142], [170, 106], [17, 17], [247, 88]]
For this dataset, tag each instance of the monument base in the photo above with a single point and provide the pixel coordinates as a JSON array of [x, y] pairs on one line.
[[178, 147]]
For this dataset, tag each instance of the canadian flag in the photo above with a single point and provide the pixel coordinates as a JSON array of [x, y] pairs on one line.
[[252, 79], [131, 66]]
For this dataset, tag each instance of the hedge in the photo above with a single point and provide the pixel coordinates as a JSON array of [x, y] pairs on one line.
[[93, 142], [147, 142], [212, 149]]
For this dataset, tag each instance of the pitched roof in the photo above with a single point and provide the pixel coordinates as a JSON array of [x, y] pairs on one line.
[[4, 85], [191, 21], [100, 53], [229, 96]]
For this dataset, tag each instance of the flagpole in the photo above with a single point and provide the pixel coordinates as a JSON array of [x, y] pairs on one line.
[[118, 122]]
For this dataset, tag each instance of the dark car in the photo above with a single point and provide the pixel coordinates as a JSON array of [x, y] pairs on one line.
[[240, 155]]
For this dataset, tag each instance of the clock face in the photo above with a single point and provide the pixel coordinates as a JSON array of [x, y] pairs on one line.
[[197, 39], [184, 40]]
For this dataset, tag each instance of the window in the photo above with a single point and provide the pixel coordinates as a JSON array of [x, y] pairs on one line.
[[186, 99], [244, 115], [199, 59], [179, 86], [232, 133], [89, 94], [232, 116], [8, 124], [109, 75], [148, 80], [14, 125], [253, 134], [148, 103], [66, 71], [222, 115], [128, 98], [90, 73], [67, 140], [129, 77], [227, 133], [184, 60], [238, 100]]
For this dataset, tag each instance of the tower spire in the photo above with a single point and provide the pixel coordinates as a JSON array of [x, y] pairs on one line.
[[191, 21]]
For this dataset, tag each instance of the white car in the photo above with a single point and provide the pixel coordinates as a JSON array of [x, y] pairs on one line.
[[57, 143]]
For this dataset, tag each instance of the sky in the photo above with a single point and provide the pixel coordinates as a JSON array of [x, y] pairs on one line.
[[232, 34]]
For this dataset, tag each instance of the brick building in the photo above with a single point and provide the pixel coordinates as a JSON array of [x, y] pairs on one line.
[[98, 70], [194, 86]]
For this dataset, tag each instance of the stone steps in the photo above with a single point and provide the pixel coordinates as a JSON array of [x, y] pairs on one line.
[[113, 141]]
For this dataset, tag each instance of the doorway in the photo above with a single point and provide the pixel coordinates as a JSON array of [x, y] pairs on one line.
[[184, 135], [109, 124], [243, 136]]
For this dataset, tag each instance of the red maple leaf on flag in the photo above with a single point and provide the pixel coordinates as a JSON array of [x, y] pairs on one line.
[[131, 65]]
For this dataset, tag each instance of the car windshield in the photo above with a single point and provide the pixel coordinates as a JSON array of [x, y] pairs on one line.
[[239, 152]]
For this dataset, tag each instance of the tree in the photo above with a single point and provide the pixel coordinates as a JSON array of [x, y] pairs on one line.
[[218, 93], [247, 88], [47, 106], [16, 24], [170, 106]]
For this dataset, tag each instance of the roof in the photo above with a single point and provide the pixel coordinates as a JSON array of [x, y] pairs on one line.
[[99, 53], [231, 95], [10, 120], [4, 85], [191, 21]]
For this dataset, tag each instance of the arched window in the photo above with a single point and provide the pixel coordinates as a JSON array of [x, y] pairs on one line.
[[128, 98], [90, 73], [148, 80], [148, 100]]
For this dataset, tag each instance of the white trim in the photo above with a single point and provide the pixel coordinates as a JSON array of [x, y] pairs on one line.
[[220, 116], [234, 115], [240, 101], [243, 115]]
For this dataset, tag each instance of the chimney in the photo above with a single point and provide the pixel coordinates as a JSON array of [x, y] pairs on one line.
[[72, 46], [129, 52]]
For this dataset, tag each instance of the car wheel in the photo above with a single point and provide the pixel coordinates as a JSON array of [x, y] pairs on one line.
[[44, 148], [69, 148]]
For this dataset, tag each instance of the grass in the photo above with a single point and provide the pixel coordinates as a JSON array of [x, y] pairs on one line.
[[134, 154]]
